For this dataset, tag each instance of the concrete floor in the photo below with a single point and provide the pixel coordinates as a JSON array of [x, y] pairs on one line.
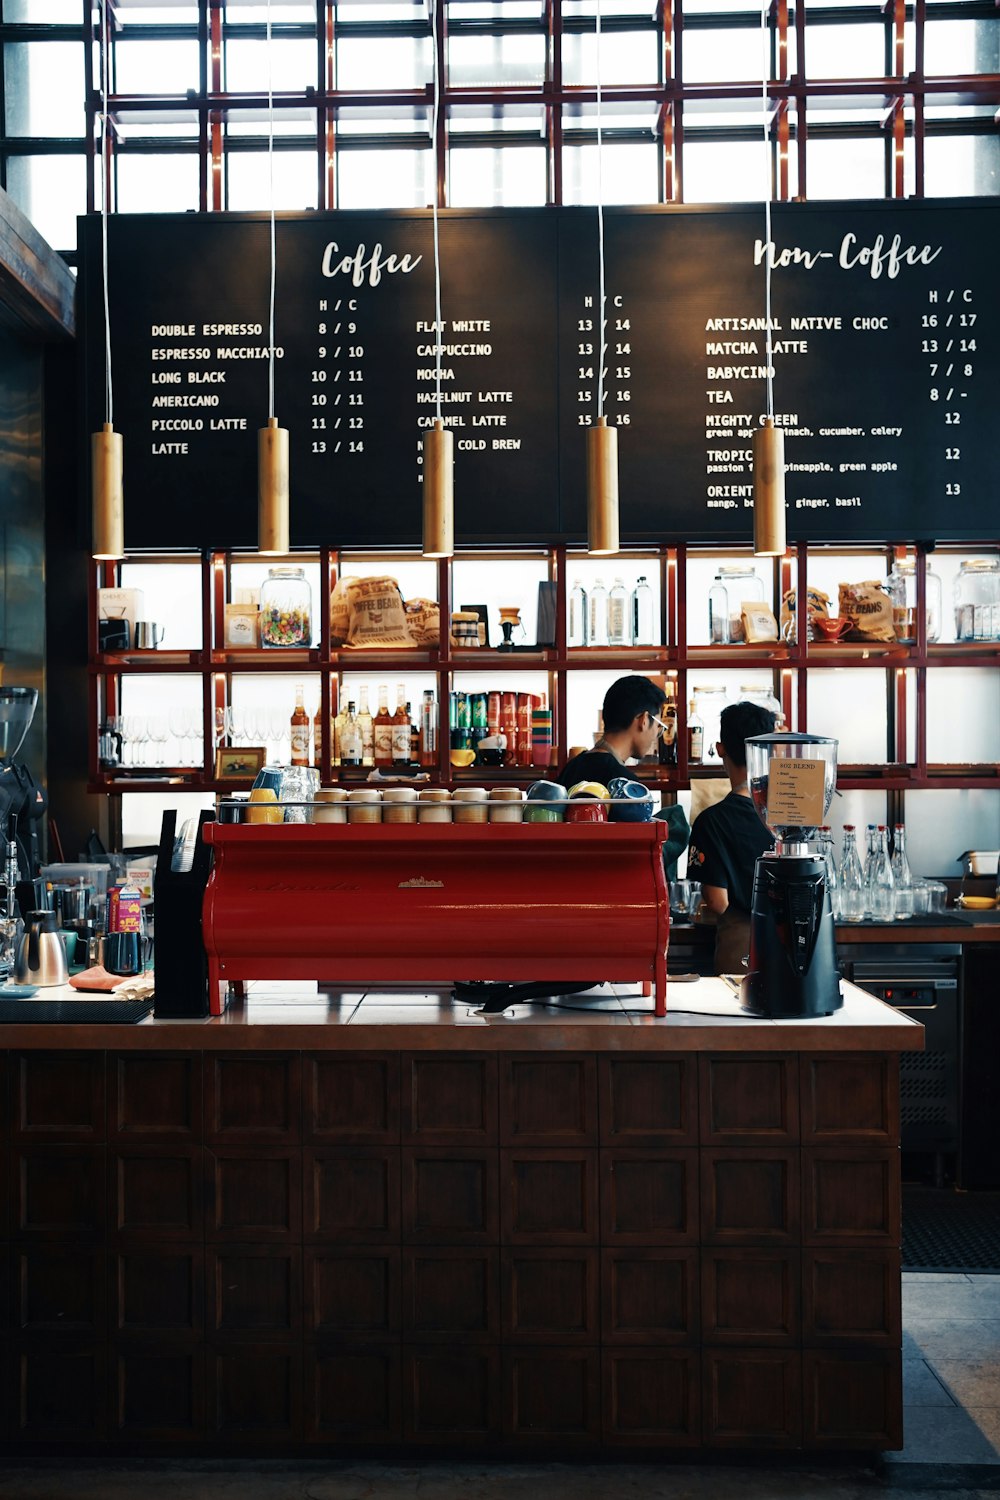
[[951, 1354]]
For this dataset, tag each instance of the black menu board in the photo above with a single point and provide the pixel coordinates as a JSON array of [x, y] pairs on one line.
[[886, 372]]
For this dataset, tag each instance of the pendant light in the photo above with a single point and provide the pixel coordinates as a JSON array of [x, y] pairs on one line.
[[106, 452], [768, 440], [272, 440], [602, 440], [439, 443]]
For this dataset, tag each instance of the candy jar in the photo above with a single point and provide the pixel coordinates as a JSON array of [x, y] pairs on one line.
[[286, 608], [902, 586]]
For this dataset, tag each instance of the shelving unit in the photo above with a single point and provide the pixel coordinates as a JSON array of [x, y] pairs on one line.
[[904, 668]]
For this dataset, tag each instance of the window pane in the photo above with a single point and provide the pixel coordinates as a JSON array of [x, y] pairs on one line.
[[961, 165], [855, 51], [383, 62], [723, 55], [45, 88], [845, 169], [248, 180], [849, 703], [496, 59], [626, 57], [156, 67], [724, 171], [480, 177], [963, 718], [972, 820], [386, 179], [52, 191], [630, 174], [962, 46], [53, 12], [171, 595], [157, 184], [294, 65]]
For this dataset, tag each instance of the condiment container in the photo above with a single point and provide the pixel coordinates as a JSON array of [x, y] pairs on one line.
[[331, 805], [285, 608]]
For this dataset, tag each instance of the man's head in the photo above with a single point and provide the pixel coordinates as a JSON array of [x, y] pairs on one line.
[[739, 723], [633, 706]]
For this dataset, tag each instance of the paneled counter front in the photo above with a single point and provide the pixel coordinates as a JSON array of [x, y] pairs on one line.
[[349, 1222]]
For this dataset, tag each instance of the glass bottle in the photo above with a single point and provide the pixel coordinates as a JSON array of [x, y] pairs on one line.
[[400, 732], [696, 735], [667, 748], [901, 874], [428, 729], [301, 738], [618, 621], [881, 896], [852, 885], [286, 608], [367, 729], [336, 729], [576, 634], [643, 630], [597, 628], [902, 585], [382, 740], [350, 738], [977, 600], [830, 860], [735, 584]]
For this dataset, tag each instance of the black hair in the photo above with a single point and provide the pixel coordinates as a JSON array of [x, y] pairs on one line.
[[739, 723], [628, 697]]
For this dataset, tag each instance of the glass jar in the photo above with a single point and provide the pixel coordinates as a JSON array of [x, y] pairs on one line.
[[755, 693], [734, 585], [709, 701], [286, 608], [902, 586], [977, 600]]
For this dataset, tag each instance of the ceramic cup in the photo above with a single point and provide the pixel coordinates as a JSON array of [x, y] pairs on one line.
[[470, 804], [544, 812], [399, 804], [330, 805], [506, 804], [434, 805], [582, 810], [261, 808], [632, 803], [364, 805]]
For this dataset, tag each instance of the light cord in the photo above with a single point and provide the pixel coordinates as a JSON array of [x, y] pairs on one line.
[[105, 189], [765, 71], [270, 171], [600, 226], [435, 114]]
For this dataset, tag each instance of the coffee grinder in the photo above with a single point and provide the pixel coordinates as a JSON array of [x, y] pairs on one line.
[[17, 811], [793, 956]]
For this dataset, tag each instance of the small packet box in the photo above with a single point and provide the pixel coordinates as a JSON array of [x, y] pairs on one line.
[[121, 604]]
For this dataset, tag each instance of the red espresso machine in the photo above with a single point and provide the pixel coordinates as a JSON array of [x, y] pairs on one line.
[[436, 903]]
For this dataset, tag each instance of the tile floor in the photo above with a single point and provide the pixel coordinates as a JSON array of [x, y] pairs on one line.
[[951, 1373]]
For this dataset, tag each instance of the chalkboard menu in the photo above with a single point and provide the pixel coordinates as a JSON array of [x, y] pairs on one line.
[[885, 358]]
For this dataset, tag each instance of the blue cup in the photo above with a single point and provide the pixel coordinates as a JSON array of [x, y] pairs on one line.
[[638, 806], [547, 791], [270, 777]]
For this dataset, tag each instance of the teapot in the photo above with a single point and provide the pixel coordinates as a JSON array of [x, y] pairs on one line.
[[41, 956]]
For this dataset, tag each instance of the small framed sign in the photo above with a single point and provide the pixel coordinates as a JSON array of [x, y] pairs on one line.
[[239, 763]]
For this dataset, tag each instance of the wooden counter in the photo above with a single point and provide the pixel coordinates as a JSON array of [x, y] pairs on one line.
[[383, 1223]]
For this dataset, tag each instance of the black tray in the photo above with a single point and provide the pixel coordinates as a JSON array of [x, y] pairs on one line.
[[78, 1012]]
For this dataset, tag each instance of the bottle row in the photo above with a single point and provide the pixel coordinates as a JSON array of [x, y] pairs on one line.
[[882, 888]]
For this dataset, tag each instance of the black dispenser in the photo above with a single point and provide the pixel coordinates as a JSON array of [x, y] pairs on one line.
[[793, 952], [181, 965]]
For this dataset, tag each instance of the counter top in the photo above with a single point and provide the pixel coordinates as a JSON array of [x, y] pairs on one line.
[[703, 1016], [957, 927]]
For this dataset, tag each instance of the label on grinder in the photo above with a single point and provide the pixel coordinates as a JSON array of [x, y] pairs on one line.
[[795, 792]]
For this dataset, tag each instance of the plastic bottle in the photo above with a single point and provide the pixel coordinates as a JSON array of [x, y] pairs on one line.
[[576, 634], [881, 898], [852, 883], [618, 616], [901, 874], [643, 632], [597, 629]]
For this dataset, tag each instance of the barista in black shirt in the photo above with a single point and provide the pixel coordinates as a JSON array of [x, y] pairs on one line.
[[727, 839]]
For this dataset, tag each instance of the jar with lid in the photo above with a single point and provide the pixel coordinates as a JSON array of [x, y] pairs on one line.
[[977, 600], [752, 692], [286, 608], [902, 586], [735, 584], [709, 701]]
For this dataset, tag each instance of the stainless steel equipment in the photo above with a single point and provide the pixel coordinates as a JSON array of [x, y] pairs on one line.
[[41, 957]]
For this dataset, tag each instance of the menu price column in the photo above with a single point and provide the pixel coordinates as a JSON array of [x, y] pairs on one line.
[[949, 340], [338, 396], [616, 372]]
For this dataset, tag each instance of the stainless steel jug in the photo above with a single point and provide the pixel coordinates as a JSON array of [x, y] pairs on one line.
[[41, 957]]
